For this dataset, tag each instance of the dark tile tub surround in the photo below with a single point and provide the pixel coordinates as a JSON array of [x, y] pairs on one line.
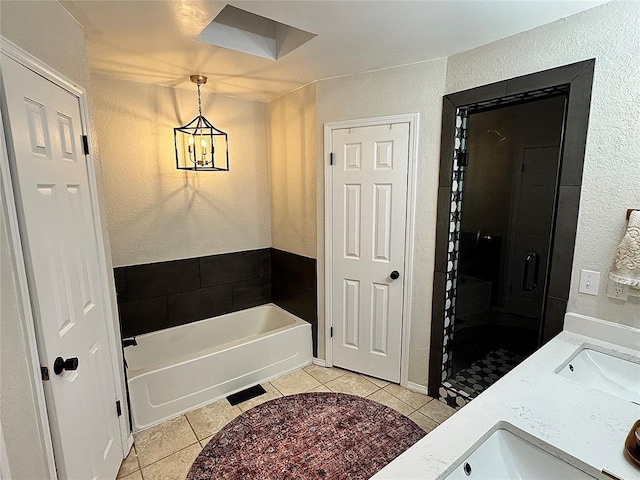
[[160, 295], [166, 294], [294, 288]]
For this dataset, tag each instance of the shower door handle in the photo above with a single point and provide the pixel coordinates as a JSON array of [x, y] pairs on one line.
[[526, 285]]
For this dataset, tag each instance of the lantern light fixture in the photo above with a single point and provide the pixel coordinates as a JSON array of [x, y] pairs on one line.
[[199, 145]]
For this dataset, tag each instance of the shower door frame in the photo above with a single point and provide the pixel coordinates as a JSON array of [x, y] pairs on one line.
[[574, 81]]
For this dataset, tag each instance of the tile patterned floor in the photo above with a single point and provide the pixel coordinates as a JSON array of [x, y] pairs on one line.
[[486, 371], [167, 451]]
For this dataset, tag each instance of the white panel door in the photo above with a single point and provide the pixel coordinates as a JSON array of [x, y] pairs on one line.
[[369, 202], [61, 252]]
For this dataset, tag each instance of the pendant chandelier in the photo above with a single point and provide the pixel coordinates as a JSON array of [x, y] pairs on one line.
[[199, 145]]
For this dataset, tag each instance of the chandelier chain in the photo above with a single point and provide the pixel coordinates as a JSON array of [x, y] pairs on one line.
[[199, 102]]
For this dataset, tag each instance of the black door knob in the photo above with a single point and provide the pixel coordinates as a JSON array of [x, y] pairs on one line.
[[395, 274], [60, 364]]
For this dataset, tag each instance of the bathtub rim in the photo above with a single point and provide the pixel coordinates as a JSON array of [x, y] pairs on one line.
[[139, 373]]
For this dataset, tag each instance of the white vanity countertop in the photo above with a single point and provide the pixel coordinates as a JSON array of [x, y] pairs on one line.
[[585, 423]]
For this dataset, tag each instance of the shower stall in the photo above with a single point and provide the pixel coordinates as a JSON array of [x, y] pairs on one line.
[[498, 259]]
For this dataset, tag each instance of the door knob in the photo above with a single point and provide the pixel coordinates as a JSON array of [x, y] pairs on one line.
[[61, 364], [395, 274]]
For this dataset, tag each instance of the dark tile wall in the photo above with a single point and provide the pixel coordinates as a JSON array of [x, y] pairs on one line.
[[294, 287], [166, 294]]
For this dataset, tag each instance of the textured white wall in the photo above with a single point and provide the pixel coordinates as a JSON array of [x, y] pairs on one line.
[[414, 88], [47, 31], [156, 212], [292, 163], [611, 34]]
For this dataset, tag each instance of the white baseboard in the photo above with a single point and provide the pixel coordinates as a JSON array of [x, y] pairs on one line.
[[319, 361], [416, 387]]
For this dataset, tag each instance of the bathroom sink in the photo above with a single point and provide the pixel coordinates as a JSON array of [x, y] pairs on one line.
[[509, 453], [607, 373]]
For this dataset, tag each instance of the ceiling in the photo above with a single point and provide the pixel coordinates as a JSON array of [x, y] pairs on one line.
[[156, 41]]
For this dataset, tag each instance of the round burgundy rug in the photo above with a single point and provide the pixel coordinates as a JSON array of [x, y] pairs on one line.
[[308, 436]]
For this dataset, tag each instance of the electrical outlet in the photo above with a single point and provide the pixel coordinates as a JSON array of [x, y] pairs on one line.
[[589, 282], [617, 290]]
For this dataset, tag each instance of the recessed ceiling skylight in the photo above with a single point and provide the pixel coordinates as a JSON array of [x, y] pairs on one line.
[[250, 33]]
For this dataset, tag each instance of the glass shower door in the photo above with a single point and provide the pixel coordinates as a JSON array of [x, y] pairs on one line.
[[503, 202]]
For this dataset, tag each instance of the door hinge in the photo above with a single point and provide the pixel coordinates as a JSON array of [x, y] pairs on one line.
[[85, 144], [331, 332], [118, 408], [331, 158], [44, 372]]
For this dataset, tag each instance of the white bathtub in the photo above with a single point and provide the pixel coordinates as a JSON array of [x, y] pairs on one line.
[[175, 370]]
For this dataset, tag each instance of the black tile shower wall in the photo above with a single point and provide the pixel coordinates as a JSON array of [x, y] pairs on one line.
[[166, 294], [294, 288]]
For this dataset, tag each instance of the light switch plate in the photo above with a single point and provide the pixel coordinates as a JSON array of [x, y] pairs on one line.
[[589, 282]]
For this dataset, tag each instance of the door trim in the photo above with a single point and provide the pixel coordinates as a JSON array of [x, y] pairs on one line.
[[37, 66], [413, 120]]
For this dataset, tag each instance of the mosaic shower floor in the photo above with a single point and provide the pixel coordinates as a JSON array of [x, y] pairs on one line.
[[485, 372]]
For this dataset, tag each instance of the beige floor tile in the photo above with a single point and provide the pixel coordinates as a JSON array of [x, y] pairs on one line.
[[321, 388], [385, 398], [161, 441], [173, 467], [423, 422], [272, 393], [129, 465], [353, 384], [376, 381], [415, 399], [324, 374], [437, 410], [208, 420], [204, 441], [298, 381], [133, 476]]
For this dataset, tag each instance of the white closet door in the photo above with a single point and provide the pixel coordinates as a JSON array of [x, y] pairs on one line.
[[369, 199], [61, 251]]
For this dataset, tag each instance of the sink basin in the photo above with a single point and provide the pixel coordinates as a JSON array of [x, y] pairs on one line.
[[607, 373], [509, 453]]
